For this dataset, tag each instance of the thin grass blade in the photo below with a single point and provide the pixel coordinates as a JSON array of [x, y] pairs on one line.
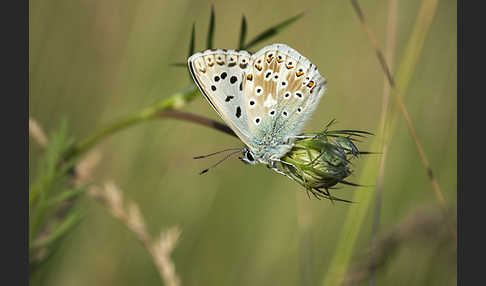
[[210, 38], [272, 31], [193, 38], [356, 215], [241, 44]]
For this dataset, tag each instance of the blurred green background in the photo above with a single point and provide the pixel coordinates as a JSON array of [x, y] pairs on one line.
[[94, 61]]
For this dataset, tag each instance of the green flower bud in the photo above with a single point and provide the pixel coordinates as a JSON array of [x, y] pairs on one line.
[[320, 161]]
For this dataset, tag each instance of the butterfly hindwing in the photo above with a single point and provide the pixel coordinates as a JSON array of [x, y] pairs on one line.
[[283, 92]]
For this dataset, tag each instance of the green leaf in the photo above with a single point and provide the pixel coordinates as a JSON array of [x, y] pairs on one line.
[[52, 168], [272, 31], [241, 44], [65, 195], [58, 145], [64, 227], [210, 38]]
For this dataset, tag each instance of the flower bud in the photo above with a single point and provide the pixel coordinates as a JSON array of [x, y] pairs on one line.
[[320, 161]]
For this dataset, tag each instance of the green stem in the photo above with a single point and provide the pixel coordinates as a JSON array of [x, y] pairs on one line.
[[175, 101]]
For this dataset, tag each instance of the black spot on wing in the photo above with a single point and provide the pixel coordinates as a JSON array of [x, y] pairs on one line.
[[238, 112]]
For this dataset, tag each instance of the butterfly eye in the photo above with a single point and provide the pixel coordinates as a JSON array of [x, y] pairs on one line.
[[249, 156]]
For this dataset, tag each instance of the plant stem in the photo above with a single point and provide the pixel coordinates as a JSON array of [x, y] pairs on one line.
[[161, 110]]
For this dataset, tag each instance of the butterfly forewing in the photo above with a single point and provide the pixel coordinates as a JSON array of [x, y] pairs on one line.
[[220, 76]]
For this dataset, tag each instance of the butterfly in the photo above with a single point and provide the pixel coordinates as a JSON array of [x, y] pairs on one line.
[[265, 98]]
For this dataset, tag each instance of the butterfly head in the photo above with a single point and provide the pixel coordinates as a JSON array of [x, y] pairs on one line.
[[248, 157]]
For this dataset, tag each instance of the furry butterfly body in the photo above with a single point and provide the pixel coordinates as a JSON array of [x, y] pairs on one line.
[[265, 98]]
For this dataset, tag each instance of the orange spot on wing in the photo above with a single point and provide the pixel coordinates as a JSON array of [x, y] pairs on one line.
[[299, 73], [310, 84]]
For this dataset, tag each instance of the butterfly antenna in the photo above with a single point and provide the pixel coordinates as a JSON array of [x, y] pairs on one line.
[[215, 153], [220, 161]]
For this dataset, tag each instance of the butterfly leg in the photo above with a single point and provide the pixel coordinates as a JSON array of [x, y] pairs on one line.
[[274, 166], [276, 170], [283, 162]]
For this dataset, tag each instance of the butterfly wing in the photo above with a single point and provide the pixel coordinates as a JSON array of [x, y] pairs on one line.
[[282, 90], [265, 98], [220, 75]]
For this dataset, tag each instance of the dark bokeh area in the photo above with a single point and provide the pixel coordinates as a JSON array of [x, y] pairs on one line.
[[92, 62]]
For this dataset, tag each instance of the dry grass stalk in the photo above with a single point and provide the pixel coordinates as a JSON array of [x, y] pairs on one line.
[[398, 98], [388, 57], [160, 250], [36, 132], [111, 197], [84, 169]]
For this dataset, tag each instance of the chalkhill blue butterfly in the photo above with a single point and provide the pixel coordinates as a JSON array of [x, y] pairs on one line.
[[265, 98]]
